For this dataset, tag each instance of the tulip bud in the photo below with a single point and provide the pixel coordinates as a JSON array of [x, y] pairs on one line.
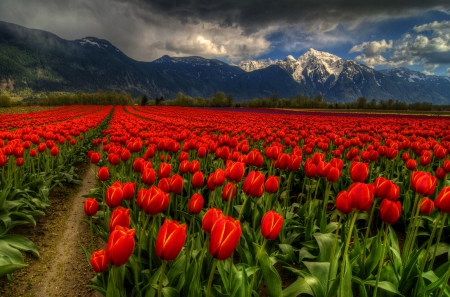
[[235, 172], [90, 206], [411, 164], [359, 171], [176, 184], [164, 170], [99, 262], [225, 236], [170, 240], [164, 184], [390, 211], [114, 196], [427, 206], [342, 203], [138, 165], [229, 191], [360, 196], [184, 167], [198, 179], [119, 217], [272, 184], [129, 190], [120, 245], [210, 218], [423, 183], [148, 175], [271, 225], [196, 204], [54, 151], [442, 202], [103, 173], [254, 184]]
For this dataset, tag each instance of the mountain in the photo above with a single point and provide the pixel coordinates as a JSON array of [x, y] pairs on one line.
[[339, 80], [39, 61]]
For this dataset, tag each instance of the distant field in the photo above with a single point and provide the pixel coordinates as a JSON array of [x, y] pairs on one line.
[[22, 109]]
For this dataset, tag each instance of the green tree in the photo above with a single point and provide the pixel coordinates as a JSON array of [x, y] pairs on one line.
[[230, 99], [5, 101], [159, 100], [144, 100]]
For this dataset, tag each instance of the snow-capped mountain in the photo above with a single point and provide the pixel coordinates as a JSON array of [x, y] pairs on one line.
[[89, 64]]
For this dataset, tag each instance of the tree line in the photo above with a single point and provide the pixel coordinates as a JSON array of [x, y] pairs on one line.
[[219, 99]]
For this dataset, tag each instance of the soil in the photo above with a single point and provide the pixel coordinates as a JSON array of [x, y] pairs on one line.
[[62, 269]]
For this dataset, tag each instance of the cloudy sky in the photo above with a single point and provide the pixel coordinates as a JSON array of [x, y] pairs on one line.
[[378, 33]]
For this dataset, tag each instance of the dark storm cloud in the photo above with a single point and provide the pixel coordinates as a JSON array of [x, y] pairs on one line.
[[253, 15]]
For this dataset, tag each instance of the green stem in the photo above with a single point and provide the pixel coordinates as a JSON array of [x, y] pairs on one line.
[[347, 244], [380, 266], [444, 219], [141, 237], [444, 284], [255, 275], [242, 208], [333, 251], [211, 277], [415, 227], [202, 255], [370, 219], [161, 278], [430, 241], [150, 242]]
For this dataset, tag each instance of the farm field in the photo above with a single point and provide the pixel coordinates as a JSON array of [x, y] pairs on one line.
[[172, 201]]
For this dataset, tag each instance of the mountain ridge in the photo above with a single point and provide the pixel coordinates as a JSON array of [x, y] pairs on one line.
[[41, 61]]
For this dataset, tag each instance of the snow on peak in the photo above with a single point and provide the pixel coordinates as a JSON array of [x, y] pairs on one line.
[[289, 58], [90, 41], [250, 65]]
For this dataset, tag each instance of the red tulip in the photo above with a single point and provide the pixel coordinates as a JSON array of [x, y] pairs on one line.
[[42, 147], [95, 158], [390, 211], [99, 261], [201, 153], [411, 164], [164, 184], [342, 203], [164, 170], [360, 196], [19, 162], [271, 225], [310, 169], [119, 217], [113, 159], [103, 173], [114, 195], [90, 206], [198, 179], [382, 187], [125, 155], [333, 175], [219, 177], [54, 151], [229, 191], [427, 206], [425, 160], [394, 193], [440, 173], [446, 166], [184, 167], [442, 202], [210, 218], [138, 165], [235, 172], [296, 162], [196, 203], [176, 184], [120, 245], [323, 168], [148, 175], [423, 183], [170, 240], [129, 190], [153, 200], [283, 161], [194, 166], [225, 236], [272, 184], [3, 160], [359, 171], [254, 184], [33, 153]]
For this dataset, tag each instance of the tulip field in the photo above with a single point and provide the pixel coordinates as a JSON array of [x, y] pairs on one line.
[[238, 202]]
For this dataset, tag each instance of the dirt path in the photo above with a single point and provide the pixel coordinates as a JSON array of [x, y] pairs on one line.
[[63, 269]]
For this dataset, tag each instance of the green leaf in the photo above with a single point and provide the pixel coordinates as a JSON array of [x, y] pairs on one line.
[[305, 254], [345, 289], [374, 256], [388, 286], [319, 270], [240, 284], [300, 286], [325, 242], [270, 275], [288, 250], [21, 242], [170, 292]]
